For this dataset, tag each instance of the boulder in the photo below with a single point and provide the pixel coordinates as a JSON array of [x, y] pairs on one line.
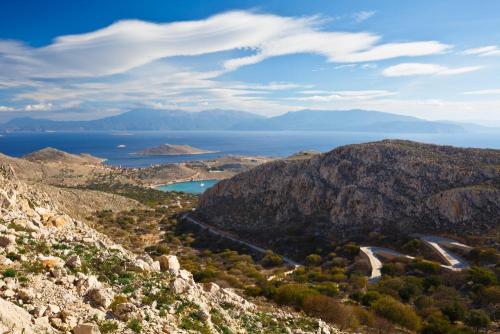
[[51, 261], [101, 297], [74, 262], [26, 294], [87, 328], [169, 263], [14, 319], [84, 284], [124, 310]]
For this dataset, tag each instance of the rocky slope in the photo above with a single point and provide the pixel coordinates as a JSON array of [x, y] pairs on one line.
[[57, 275], [382, 186]]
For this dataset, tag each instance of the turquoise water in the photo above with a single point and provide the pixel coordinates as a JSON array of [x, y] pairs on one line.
[[192, 187]]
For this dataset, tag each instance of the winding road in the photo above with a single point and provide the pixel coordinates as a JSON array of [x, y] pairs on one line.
[[438, 244], [229, 236]]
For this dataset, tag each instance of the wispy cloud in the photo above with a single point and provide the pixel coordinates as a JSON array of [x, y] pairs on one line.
[[133, 43], [490, 50], [484, 92], [411, 69], [343, 95], [363, 15]]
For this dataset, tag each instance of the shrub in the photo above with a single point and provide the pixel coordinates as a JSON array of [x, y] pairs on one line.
[[108, 326], [135, 325], [330, 310], [397, 312], [9, 272], [436, 325], [477, 319], [328, 288], [370, 297], [313, 260], [426, 267], [293, 294], [483, 276], [454, 311], [272, 259]]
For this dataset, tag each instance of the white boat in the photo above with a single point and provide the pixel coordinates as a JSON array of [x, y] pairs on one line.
[[202, 184], [122, 146]]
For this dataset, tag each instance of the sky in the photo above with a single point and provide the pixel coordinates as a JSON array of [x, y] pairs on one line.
[[437, 60]]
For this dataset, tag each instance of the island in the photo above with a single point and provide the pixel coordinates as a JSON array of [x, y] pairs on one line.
[[170, 149]]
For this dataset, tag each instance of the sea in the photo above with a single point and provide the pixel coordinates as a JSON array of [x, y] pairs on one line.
[[118, 148]]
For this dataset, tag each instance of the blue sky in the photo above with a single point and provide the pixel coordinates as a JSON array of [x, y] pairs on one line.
[[89, 59]]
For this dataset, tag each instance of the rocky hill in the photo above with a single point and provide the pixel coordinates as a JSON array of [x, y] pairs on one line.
[[57, 275], [50, 154], [391, 186]]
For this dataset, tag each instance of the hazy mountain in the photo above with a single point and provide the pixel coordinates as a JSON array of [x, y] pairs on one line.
[[304, 120], [347, 120], [140, 120]]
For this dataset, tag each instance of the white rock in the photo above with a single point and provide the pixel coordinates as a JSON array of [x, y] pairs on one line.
[[87, 328], [101, 297], [26, 294]]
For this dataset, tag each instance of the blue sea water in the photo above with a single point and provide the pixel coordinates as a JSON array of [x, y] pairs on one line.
[[192, 187], [117, 148]]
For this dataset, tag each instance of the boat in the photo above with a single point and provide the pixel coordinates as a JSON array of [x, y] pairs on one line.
[[122, 146]]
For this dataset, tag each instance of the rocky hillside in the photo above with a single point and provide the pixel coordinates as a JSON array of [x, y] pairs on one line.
[[57, 275], [50, 154], [382, 186]]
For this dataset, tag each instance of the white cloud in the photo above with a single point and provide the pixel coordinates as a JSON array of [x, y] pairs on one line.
[[363, 15], [409, 69], [5, 108], [343, 95], [38, 107], [132, 43], [484, 92], [490, 50]]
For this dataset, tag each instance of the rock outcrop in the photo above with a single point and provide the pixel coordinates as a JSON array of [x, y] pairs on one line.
[[388, 185]]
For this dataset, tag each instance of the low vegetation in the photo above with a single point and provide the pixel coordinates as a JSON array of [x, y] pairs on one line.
[[414, 295]]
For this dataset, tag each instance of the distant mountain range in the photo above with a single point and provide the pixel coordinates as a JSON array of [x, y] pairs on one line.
[[303, 120]]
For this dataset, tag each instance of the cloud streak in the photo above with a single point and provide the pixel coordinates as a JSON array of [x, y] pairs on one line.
[[412, 69], [128, 44]]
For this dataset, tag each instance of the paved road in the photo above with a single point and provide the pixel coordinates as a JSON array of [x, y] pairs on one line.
[[375, 263], [233, 238], [439, 244]]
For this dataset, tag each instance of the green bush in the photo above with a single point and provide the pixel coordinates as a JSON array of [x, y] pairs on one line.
[[370, 297], [313, 260], [454, 311], [483, 276], [135, 325], [9, 272], [477, 319], [108, 326], [427, 267], [272, 259], [293, 294], [331, 310], [397, 312]]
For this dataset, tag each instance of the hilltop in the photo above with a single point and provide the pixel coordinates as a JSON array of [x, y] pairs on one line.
[[388, 186], [50, 154]]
